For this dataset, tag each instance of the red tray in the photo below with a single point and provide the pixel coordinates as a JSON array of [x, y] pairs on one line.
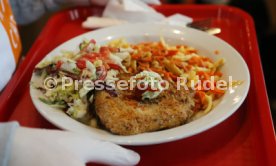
[[246, 138]]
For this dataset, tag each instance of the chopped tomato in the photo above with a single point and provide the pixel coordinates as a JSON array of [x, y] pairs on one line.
[[114, 66], [101, 72], [90, 57], [81, 64], [58, 65], [93, 41]]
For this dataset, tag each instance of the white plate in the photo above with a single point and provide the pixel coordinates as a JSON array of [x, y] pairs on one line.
[[206, 44]]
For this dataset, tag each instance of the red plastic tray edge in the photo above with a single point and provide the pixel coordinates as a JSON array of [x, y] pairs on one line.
[[267, 127], [265, 119]]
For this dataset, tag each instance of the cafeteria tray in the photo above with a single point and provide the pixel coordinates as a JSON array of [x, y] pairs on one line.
[[245, 138]]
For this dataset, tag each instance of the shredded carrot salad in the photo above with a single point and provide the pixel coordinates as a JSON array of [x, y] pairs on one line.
[[172, 62]]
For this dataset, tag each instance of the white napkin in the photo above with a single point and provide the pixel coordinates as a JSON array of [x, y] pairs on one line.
[[132, 11], [178, 19], [100, 22]]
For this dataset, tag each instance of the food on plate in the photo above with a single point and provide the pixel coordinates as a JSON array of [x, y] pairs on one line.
[[161, 88], [128, 113]]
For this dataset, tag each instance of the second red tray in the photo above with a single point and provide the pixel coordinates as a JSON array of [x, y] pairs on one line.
[[246, 138]]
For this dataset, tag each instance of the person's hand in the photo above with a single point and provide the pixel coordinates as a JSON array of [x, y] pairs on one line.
[[43, 147]]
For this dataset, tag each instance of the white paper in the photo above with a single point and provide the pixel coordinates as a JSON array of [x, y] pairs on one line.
[[133, 11]]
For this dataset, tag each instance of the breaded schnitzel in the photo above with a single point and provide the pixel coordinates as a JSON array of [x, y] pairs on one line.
[[125, 115]]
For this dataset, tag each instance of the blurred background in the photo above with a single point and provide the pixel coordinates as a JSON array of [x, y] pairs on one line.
[[262, 11]]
